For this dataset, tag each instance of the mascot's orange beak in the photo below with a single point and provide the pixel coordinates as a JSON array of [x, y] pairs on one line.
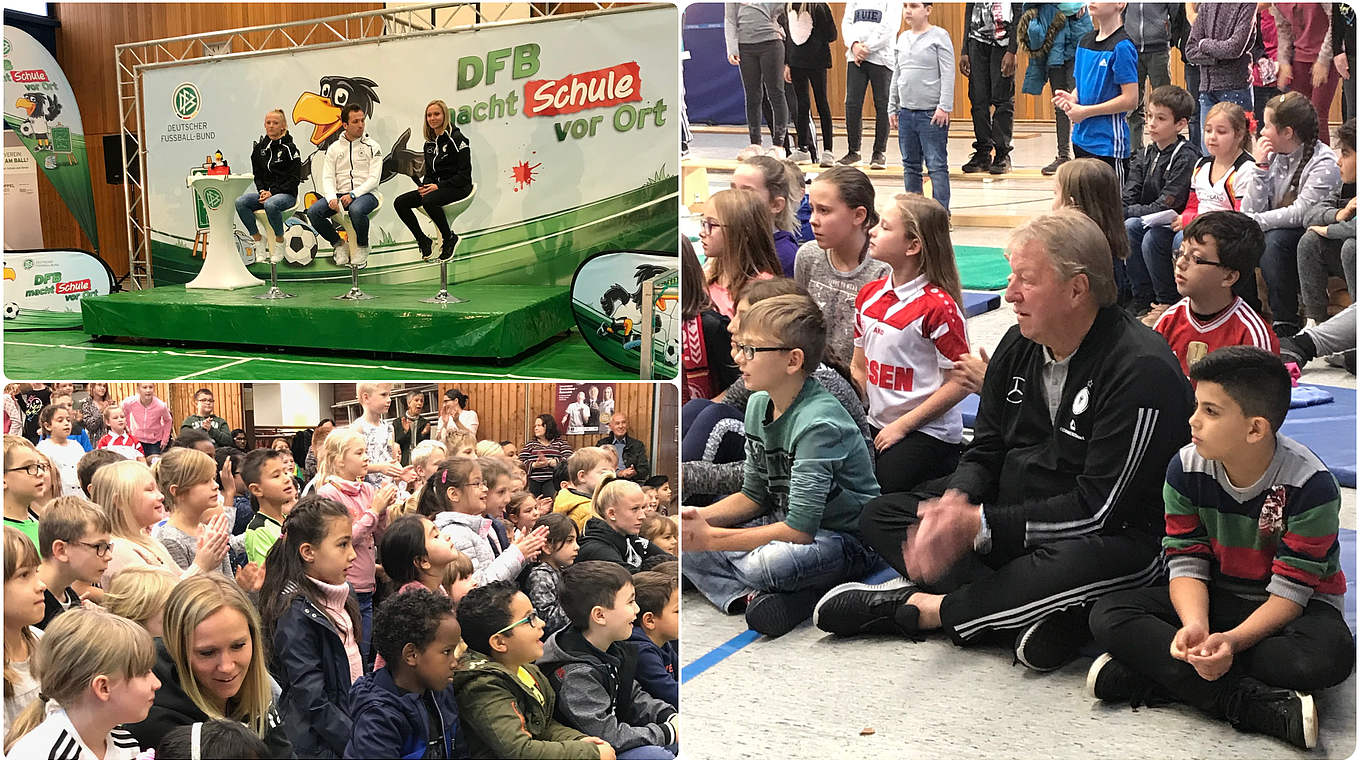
[[9, 274], [314, 109], [26, 104]]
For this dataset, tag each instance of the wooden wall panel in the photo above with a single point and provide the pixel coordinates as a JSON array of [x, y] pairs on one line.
[[180, 397]]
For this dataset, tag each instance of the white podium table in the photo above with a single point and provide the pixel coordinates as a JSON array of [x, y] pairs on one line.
[[222, 265]]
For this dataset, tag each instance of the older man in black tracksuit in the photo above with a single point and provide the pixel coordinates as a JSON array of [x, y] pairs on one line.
[[1058, 499]]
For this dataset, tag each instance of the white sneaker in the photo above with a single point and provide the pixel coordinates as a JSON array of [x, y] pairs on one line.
[[800, 157], [776, 152], [360, 257], [341, 255], [276, 252], [748, 151]]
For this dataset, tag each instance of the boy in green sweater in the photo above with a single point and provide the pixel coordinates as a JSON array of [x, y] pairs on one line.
[[267, 477], [504, 700], [791, 533]]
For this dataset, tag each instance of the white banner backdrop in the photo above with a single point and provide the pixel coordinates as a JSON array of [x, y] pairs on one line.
[[23, 224], [560, 114]]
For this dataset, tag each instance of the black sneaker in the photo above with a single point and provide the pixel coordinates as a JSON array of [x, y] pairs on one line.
[[879, 161], [1298, 348], [980, 162], [1285, 329], [1051, 169], [852, 608], [426, 247], [1053, 641], [1002, 165], [775, 614], [446, 250], [738, 605], [1254, 707], [1110, 681], [850, 159]]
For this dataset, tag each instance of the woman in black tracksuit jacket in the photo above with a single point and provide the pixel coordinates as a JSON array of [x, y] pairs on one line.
[[277, 167], [448, 178]]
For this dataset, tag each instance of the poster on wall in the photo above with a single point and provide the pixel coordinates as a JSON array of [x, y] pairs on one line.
[[584, 408], [43, 288], [40, 107], [23, 222], [546, 110]]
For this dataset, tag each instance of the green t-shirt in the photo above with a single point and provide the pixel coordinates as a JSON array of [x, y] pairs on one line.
[[260, 536], [810, 467], [28, 527]]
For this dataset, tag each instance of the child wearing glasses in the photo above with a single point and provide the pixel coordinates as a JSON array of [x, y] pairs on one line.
[[594, 672], [1219, 249], [26, 476], [506, 703], [738, 245], [74, 543], [792, 531], [908, 334]]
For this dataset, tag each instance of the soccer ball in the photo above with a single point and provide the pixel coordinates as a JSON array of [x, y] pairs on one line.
[[672, 353], [11, 311], [299, 244]]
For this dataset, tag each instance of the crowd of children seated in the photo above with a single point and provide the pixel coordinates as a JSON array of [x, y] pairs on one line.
[[808, 397], [195, 602]]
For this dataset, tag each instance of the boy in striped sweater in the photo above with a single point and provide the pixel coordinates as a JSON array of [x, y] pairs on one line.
[[1251, 623]]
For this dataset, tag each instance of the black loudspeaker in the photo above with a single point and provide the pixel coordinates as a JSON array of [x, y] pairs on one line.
[[113, 160]]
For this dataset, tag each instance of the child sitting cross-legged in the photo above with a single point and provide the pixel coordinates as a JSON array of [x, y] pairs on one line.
[[406, 708], [655, 634], [792, 532], [1251, 623], [505, 702], [1220, 248], [595, 673]]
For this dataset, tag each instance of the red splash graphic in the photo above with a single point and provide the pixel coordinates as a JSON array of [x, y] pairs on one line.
[[523, 174]]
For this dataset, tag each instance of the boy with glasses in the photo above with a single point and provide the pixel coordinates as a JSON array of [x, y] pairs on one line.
[[505, 702], [75, 548], [204, 419], [791, 533], [1219, 249]]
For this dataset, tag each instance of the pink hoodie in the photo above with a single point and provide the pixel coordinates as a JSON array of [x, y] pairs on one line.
[[368, 528]]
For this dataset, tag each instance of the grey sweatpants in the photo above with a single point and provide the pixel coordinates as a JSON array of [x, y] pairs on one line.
[[1320, 258]]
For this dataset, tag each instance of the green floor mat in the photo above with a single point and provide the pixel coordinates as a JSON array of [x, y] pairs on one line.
[[981, 267]]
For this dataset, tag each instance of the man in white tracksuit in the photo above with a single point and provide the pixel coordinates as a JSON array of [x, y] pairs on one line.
[[349, 175]]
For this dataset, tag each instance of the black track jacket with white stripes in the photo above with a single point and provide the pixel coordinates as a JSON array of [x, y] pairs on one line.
[[1099, 467]]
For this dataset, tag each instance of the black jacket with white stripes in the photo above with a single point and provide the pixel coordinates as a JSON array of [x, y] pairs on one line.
[[1098, 468], [448, 162]]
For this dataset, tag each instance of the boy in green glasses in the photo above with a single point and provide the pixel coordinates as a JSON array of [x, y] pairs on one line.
[[73, 541], [505, 702], [1220, 248], [792, 532]]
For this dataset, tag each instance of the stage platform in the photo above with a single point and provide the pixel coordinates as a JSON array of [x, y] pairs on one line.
[[495, 322]]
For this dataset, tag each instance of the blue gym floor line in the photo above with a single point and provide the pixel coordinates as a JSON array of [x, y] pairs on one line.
[[720, 653]]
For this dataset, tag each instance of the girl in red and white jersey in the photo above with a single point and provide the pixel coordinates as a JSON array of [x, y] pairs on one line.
[[909, 331]]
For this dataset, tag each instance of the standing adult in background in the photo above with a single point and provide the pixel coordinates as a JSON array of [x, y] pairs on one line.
[[1343, 55], [216, 427], [869, 30], [755, 43], [309, 463], [454, 413], [1304, 36], [632, 453], [542, 455], [411, 427], [988, 61], [1149, 27], [92, 409], [807, 56]]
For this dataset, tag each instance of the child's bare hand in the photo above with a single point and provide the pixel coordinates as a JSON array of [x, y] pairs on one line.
[[250, 577], [212, 549], [384, 498], [606, 751], [1264, 147], [1186, 638], [1177, 225], [1347, 211], [970, 370], [531, 544], [1213, 657], [1319, 230]]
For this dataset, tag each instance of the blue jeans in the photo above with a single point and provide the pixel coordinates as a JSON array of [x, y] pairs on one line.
[[249, 203], [319, 214], [1150, 269], [831, 558], [649, 752], [366, 616], [1241, 97], [1279, 264], [919, 139]]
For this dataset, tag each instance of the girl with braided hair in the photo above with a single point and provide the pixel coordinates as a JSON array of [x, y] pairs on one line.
[[1298, 172]]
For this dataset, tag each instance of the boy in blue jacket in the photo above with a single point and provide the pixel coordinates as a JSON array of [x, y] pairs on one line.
[[406, 708], [655, 632]]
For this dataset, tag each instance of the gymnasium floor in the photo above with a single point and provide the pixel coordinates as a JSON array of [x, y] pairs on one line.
[[809, 695]]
